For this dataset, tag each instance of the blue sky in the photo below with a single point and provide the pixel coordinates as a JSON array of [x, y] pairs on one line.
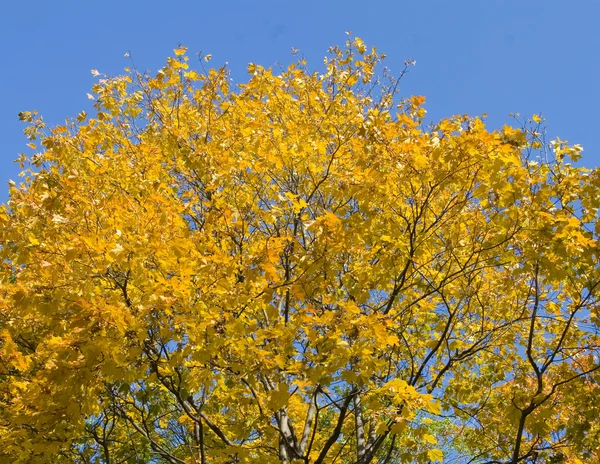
[[473, 56]]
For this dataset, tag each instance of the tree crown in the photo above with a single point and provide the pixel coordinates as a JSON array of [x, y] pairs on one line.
[[296, 269]]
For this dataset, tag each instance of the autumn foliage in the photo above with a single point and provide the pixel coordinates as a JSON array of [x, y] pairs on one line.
[[296, 270]]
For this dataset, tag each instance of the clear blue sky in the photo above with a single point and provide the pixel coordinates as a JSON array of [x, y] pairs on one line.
[[473, 56]]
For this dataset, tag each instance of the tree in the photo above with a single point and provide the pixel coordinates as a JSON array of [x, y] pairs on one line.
[[296, 270]]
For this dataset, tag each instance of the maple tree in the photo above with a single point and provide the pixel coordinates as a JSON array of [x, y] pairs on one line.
[[296, 270]]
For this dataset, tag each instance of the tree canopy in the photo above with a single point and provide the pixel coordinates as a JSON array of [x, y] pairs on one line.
[[297, 269]]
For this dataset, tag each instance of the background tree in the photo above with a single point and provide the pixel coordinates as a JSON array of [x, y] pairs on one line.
[[296, 270]]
